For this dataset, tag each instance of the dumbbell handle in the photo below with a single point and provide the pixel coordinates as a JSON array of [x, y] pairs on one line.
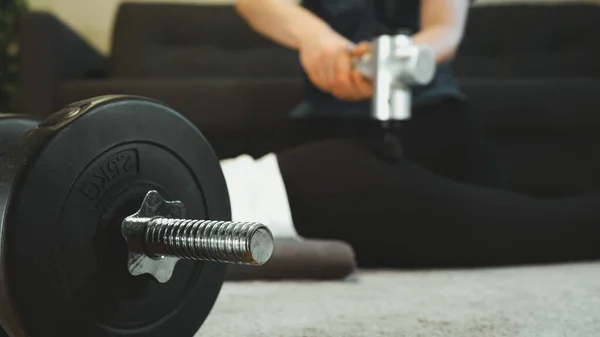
[[157, 242], [395, 65]]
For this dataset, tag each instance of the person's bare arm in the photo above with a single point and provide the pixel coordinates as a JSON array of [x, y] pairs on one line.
[[442, 26], [290, 24], [283, 21]]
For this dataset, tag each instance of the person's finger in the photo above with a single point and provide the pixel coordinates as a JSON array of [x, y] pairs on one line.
[[323, 71], [361, 49], [343, 86], [363, 87], [342, 66], [343, 89], [357, 89], [335, 62], [327, 67], [344, 93]]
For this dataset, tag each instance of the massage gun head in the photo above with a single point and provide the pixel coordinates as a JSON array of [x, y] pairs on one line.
[[396, 64], [406, 63], [414, 65]]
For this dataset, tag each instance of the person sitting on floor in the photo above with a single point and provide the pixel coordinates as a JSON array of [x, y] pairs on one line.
[[442, 134], [435, 207]]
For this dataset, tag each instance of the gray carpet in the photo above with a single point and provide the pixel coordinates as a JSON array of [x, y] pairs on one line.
[[549, 301]]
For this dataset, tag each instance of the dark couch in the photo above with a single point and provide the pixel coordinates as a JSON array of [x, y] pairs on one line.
[[532, 72], [202, 60]]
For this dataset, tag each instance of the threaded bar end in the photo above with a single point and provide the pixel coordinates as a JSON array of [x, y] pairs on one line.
[[248, 243]]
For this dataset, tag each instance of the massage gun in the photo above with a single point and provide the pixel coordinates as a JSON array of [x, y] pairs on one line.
[[395, 65]]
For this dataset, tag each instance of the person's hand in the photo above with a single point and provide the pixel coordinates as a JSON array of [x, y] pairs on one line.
[[350, 84], [319, 56]]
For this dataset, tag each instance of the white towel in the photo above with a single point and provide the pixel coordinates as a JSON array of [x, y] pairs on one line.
[[257, 193]]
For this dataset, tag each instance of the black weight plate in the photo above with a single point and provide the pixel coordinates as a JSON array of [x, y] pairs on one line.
[[80, 172], [12, 128]]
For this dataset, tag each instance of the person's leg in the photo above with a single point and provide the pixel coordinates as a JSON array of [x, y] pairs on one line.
[[445, 137], [403, 215], [297, 132], [448, 139]]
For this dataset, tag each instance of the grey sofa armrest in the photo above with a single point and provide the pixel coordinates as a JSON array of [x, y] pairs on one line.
[[51, 54]]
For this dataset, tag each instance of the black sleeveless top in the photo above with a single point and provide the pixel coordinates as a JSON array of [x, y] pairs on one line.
[[362, 20]]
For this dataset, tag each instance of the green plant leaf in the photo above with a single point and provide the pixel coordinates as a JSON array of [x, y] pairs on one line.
[[10, 12]]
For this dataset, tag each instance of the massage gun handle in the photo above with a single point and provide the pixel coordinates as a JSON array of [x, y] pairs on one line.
[[395, 64]]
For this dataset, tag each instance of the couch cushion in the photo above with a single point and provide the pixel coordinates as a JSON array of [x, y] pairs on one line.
[[535, 105], [545, 130], [187, 40], [550, 165], [228, 111], [531, 41]]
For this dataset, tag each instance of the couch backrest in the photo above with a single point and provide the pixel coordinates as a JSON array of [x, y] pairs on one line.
[[189, 40], [531, 41], [532, 73]]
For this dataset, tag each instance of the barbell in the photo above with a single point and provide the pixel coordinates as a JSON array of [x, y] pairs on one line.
[[115, 215], [114, 221]]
